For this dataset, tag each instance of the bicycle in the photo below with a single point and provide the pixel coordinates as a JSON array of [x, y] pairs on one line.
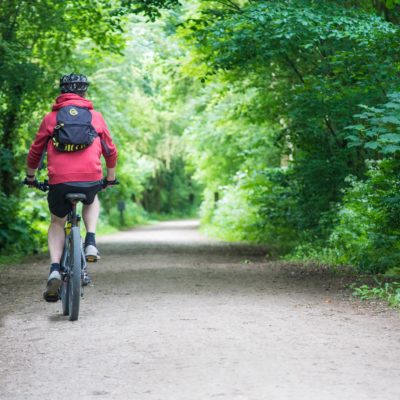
[[73, 267]]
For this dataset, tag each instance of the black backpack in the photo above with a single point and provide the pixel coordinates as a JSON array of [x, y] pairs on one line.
[[74, 130]]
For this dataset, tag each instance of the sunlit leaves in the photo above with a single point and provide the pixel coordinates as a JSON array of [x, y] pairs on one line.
[[39, 41], [150, 8], [380, 130], [310, 64]]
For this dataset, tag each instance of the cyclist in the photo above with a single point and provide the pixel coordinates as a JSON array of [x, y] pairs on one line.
[[70, 171]]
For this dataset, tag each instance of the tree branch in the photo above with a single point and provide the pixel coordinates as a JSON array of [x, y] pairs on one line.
[[294, 67], [230, 4], [8, 35]]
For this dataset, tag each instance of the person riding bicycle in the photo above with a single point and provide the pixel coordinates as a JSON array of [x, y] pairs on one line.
[[75, 169]]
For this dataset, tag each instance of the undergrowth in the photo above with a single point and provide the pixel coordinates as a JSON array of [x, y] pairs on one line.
[[387, 291]]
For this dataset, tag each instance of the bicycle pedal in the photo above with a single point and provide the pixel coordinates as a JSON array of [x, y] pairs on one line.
[[91, 258], [51, 297]]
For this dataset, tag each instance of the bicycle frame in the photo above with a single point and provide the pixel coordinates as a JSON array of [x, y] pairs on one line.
[[73, 220]]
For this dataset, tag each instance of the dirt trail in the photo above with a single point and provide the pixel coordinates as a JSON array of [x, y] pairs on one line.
[[173, 315]]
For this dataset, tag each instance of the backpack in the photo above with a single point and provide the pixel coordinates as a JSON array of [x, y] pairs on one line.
[[74, 130]]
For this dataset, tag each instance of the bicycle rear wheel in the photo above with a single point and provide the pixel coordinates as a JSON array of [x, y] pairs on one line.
[[74, 282]]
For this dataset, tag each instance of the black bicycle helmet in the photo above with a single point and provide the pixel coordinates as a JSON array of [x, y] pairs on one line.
[[74, 83]]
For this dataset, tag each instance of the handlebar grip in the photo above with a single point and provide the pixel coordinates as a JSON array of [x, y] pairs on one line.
[[109, 183], [43, 186]]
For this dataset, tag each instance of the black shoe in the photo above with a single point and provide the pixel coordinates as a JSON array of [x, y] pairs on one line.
[[51, 294]]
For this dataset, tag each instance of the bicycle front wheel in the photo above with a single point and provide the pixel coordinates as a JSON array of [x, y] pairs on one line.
[[65, 296], [65, 279], [74, 286]]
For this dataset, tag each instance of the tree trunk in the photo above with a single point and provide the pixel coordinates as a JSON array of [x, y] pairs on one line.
[[7, 144], [380, 7]]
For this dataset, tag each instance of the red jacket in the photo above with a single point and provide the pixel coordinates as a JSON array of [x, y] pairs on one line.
[[79, 166]]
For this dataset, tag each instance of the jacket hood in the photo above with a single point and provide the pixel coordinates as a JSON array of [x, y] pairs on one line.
[[71, 99]]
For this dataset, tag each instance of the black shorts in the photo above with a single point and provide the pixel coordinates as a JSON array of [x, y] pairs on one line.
[[56, 196]]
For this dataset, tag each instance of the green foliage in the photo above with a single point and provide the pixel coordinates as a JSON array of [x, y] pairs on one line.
[[299, 69], [378, 130], [147, 115], [231, 218], [256, 102], [33, 55], [149, 8], [258, 207], [132, 215], [223, 138], [23, 226], [392, 3], [284, 80], [388, 291], [171, 191], [368, 231]]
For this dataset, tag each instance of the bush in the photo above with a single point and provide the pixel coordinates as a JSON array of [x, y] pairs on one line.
[[26, 223], [368, 232], [132, 215], [259, 207], [233, 218], [388, 291]]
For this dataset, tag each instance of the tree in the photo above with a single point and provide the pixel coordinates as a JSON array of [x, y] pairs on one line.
[[310, 64], [38, 41]]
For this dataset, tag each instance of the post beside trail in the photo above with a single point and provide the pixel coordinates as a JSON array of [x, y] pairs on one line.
[[121, 209]]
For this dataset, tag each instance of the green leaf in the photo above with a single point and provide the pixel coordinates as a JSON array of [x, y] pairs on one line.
[[390, 149], [358, 127], [390, 120], [353, 138], [393, 106], [390, 137], [371, 145]]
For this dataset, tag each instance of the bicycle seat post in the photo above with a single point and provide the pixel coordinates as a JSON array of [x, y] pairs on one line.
[[73, 198], [74, 218]]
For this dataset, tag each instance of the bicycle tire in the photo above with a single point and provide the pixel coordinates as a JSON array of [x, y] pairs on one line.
[[65, 282], [74, 283], [65, 296]]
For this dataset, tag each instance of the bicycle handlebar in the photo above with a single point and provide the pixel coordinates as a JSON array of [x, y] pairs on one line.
[[109, 183], [44, 186]]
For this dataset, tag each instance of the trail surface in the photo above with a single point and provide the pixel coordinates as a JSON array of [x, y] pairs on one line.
[[174, 316]]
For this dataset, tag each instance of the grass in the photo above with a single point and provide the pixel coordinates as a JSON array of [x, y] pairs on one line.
[[11, 259], [154, 217]]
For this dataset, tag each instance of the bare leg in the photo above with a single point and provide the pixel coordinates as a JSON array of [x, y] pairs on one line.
[[90, 214], [56, 238]]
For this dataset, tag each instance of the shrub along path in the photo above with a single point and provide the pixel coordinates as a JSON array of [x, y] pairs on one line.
[[173, 315]]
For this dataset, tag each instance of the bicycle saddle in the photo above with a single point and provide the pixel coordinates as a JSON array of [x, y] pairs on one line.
[[75, 196]]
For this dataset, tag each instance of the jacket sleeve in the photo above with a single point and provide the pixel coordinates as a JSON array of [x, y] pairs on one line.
[[108, 147], [39, 144]]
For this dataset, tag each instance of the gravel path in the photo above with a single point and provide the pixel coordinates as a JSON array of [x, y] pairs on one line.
[[175, 316]]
